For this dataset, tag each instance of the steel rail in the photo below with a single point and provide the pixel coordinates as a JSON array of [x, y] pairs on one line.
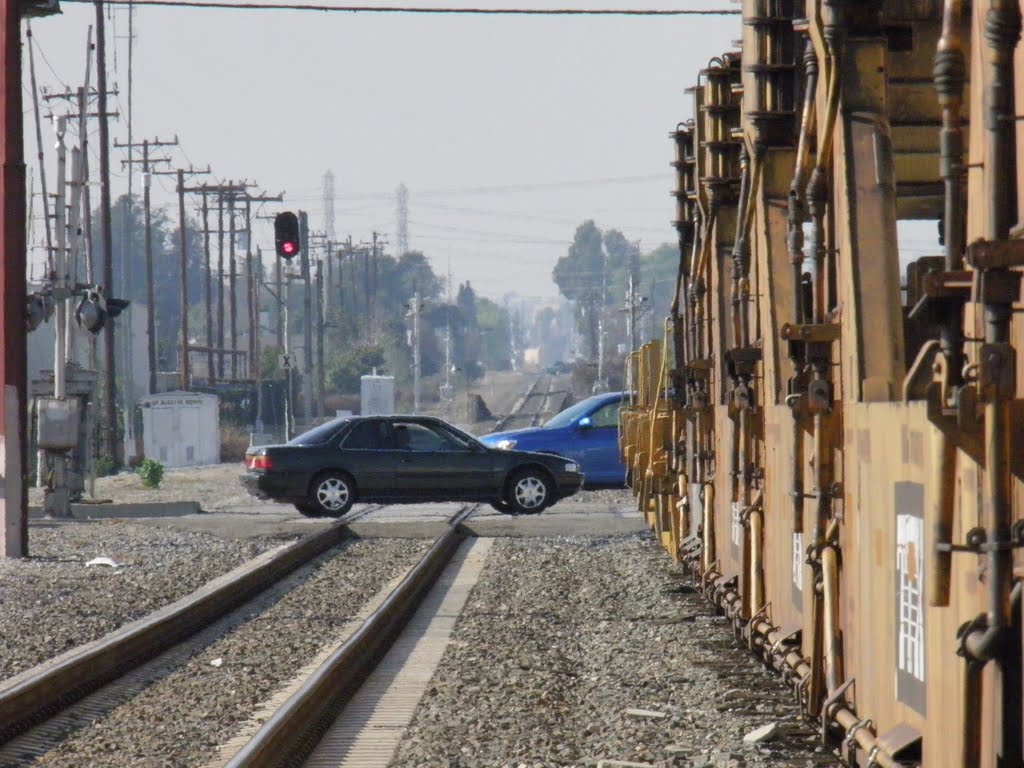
[[518, 406], [38, 697], [293, 731]]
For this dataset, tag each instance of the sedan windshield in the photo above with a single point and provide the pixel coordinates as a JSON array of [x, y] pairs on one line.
[[319, 435], [573, 412]]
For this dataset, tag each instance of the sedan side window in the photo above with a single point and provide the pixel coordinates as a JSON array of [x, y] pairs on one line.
[[367, 436], [423, 437], [606, 416]]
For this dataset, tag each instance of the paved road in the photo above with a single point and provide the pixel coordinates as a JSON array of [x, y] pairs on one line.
[[587, 513]]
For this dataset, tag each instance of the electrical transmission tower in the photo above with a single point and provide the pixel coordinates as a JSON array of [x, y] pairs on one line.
[[402, 212], [328, 184]]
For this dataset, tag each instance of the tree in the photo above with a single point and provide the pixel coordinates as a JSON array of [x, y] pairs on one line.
[[166, 268], [581, 276]]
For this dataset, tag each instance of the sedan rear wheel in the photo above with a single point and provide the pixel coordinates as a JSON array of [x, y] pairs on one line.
[[332, 494], [529, 492]]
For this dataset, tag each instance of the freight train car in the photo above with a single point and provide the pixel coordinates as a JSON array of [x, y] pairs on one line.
[[835, 445]]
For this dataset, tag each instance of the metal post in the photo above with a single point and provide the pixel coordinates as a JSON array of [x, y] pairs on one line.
[[13, 415], [279, 321], [320, 383], [307, 314], [288, 409], [416, 352]]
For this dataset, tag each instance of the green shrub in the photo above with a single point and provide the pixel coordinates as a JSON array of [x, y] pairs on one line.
[[151, 472], [104, 466]]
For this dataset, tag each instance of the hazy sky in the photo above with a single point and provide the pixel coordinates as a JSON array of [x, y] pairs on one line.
[[507, 131]]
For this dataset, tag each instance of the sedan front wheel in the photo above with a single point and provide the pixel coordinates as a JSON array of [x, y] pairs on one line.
[[529, 492], [332, 494]]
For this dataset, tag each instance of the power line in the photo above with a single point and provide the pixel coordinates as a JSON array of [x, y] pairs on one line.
[[395, 9]]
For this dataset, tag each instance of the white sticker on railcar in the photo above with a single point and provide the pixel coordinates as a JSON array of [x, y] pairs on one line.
[[737, 527], [910, 608], [696, 508], [798, 561]]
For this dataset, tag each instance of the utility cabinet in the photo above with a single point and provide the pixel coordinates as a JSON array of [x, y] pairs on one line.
[[181, 429], [377, 395]]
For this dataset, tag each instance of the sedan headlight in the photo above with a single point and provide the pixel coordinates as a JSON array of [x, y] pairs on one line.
[[572, 466], [505, 445]]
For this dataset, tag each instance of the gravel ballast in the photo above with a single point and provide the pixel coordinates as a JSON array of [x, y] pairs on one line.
[[182, 718], [571, 652], [53, 601]]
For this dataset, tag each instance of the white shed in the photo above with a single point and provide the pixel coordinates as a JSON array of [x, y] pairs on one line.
[[181, 429], [377, 395]]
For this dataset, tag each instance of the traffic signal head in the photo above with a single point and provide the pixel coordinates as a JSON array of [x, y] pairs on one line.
[[286, 234]]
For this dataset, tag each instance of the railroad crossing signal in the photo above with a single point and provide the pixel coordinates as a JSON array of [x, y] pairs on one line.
[[286, 235]]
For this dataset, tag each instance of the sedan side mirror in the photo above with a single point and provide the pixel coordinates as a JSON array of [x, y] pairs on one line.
[[585, 423]]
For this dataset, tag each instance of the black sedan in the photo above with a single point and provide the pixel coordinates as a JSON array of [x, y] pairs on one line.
[[403, 459]]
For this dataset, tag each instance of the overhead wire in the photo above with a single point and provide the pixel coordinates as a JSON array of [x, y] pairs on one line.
[[422, 10]]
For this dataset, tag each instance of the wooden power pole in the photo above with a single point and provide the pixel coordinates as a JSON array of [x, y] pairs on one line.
[[147, 163]]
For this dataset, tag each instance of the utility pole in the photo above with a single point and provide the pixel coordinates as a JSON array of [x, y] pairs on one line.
[[402, 216], [147, 162], [307, 311], [13, 375], [220, 282], [211, 375], [232, 285], [56, 496], [184, 378], [109, 394], [257, 279]]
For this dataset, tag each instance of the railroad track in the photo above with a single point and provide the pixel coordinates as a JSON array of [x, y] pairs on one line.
[[295, 729], [30, 700], [533, 407]]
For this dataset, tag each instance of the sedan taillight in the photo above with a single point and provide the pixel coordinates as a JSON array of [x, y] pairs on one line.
[[259, 461]]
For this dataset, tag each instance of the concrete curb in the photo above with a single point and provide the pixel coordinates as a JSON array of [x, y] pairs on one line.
[[147, 509]]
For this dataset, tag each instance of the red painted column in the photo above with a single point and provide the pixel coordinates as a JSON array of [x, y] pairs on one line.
[[13, 375]]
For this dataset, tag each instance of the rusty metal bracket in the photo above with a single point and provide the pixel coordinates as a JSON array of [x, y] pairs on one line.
[[761, 613], [996, 286], [820, 333], [999, 254], [850, 740], [819, 395], [742, 361], [837, 700], [996, 369], [978, 544]]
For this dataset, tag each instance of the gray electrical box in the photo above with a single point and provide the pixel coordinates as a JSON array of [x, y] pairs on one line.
[[58, 422]]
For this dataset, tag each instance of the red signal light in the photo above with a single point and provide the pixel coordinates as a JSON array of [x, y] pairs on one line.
[[288, 248]]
